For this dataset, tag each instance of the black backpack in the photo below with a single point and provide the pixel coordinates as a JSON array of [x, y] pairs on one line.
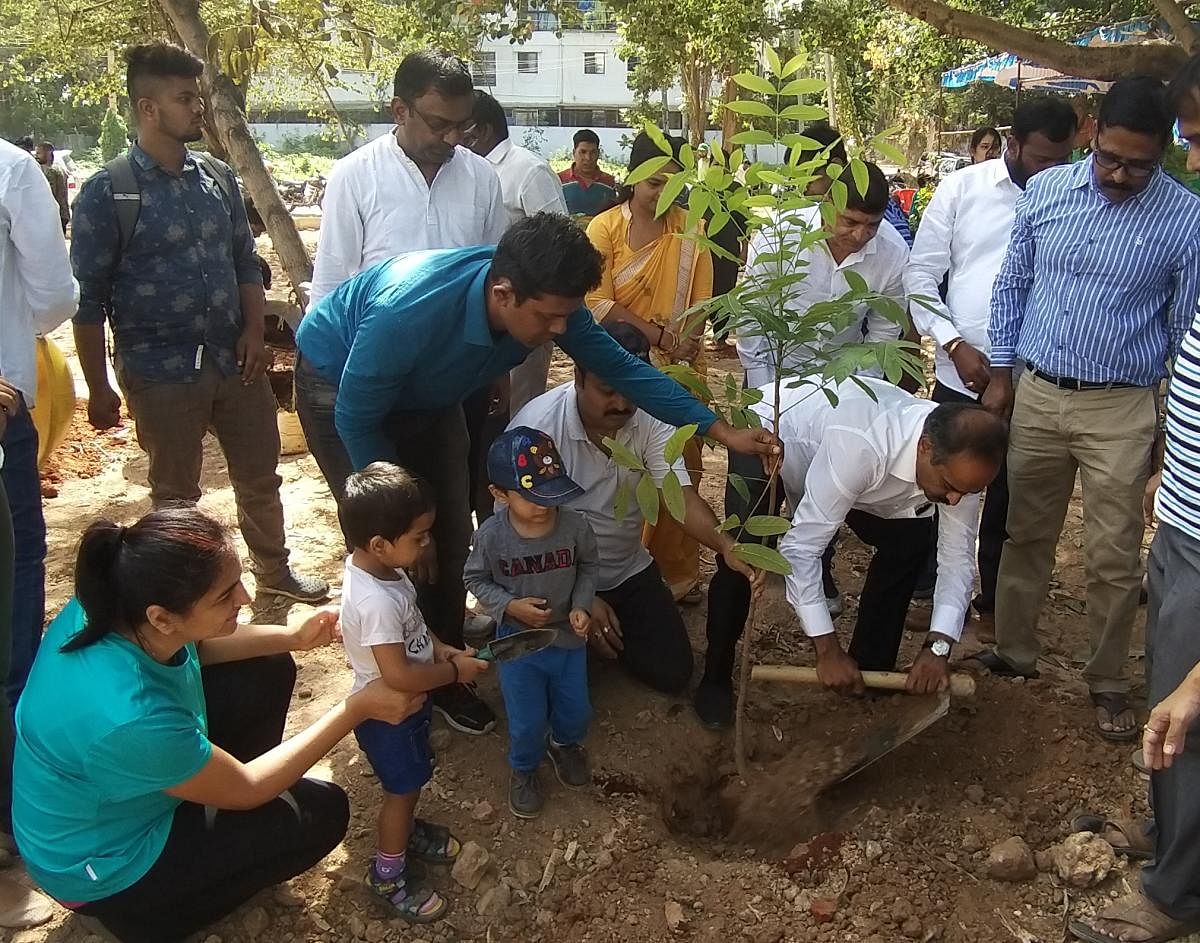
[[127, 195]]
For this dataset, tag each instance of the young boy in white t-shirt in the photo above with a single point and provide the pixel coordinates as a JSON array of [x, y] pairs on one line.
[[386, 515]]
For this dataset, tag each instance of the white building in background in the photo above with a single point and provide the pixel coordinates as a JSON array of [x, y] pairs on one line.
[[550, 86]]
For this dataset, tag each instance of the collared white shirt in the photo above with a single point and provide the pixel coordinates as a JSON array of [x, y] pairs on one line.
[[880, 263], [37, 289], [862, 454], [556, 413], [377, 206], [964, 231], [527, 182]]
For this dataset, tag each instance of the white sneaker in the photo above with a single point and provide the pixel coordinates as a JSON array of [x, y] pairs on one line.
[[836, 605], [21, 907]]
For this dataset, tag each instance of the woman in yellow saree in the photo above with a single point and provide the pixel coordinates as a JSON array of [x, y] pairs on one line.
[[651, 277]]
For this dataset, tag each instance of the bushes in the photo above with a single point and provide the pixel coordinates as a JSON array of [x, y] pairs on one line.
[[113, 140]]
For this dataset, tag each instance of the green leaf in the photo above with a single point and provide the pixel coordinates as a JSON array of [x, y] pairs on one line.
[[889, 151], [674, 187], [803, 87], [767, 525], [745, 106], [621, 504], [856, 282], [740, 486], [798, 61], [753, 137], [862, 180], [654, 132], [684, 374], [754, 83], [647, 170], [687, 157], [763, 558], [773, 61], [802, 113], [673, 450], [839, 194], [672, 493], [751, 396], [731, 522], [647, 499], [622, 456]]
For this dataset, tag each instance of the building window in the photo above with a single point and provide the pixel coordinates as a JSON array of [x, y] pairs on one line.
[[527, 63], [593, 63], [483, 68]]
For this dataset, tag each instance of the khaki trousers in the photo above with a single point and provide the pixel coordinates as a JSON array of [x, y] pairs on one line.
[[172, 419], [1106, 436]]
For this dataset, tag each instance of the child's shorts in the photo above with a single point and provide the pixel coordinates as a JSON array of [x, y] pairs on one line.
[[399, 753]]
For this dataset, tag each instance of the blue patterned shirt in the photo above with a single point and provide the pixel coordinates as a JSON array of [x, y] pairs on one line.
[[172, 297], [1094, 290]]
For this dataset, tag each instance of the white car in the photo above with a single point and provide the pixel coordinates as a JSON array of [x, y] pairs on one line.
[[63, 161]]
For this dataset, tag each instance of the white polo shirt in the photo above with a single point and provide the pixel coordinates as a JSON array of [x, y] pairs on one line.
[[378, 205], [862, 454], [527, 182], [964, 232], [556, 413], [880, 263]]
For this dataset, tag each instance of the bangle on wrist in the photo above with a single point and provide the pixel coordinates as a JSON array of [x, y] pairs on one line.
[[661, 331], [454, 665], [674, 340], [953, 346]]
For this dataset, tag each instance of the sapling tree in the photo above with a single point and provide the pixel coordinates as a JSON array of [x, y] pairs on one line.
[[784, 206]]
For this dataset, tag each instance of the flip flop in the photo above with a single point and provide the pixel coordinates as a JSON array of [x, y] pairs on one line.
[[1137, 911], [1127, 836], [998, 666], [1113, 703]]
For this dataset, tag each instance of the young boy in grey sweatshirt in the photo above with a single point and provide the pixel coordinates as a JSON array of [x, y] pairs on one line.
[[534, 565]]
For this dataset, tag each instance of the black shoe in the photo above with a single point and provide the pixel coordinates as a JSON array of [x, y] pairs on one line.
[[998, 666], [463, 710], [525, 799], [570, 764], [297, 586], [714, 704]]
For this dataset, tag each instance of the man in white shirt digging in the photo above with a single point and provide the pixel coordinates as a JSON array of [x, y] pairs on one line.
[[529, 186], [878, 461], [963, 237]]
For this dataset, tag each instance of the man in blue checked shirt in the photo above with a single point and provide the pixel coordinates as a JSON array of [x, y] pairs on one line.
[[1095, 295]]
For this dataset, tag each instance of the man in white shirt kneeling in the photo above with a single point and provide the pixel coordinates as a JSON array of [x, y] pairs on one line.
[[634, 619], [878, 461]]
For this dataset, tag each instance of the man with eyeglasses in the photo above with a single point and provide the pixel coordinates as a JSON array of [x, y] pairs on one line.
[[410, 190], [1095, 295]]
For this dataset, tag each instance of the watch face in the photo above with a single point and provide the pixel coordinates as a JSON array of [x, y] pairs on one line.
[[941, 648]]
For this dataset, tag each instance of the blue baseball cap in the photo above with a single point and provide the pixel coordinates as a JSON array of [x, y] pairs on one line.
[[526, 460]]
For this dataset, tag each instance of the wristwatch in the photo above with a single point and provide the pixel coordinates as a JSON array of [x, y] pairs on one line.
[[939, 646]]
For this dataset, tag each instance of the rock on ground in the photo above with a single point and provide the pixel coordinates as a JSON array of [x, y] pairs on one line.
[[472, 862], [1083, 859], [1011, 860]]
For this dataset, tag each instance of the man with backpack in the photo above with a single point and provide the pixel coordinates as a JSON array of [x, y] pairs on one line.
[[162, 251]]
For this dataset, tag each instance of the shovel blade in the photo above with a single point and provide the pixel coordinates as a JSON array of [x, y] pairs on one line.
[[917, 715], [518, 645]]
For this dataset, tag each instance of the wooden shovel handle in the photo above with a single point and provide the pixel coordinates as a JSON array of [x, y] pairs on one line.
[[961, 685]]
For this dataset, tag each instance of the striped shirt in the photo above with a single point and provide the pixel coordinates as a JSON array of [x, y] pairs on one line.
[[1178, 502], [1094, 290]]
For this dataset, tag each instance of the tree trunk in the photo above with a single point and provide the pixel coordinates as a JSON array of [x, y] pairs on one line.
[[1180, 23], [230, 120], [1103, 63], [729, 119]]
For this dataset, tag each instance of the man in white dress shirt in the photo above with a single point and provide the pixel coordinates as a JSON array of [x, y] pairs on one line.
[[528, 186], [963, 237], [411, 189], [856, 243], [37, 293], [878, 461], [634, 618]]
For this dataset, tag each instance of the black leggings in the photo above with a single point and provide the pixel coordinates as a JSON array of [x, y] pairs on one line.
[[214, 861]]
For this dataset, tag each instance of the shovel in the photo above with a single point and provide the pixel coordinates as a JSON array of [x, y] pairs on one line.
[[517, 645], [916, 716]]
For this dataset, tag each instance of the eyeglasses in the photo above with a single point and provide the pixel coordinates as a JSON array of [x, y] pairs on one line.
[[1137, 169], [440, 126]]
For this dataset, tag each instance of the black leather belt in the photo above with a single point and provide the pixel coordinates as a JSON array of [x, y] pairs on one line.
[[1068, 383]]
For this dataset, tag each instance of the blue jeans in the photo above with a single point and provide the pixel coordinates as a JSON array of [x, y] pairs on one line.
[[24, 489], [545, 690]]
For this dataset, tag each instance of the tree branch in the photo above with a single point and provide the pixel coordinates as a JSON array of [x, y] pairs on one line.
[[1180, 23], [1103, 63]]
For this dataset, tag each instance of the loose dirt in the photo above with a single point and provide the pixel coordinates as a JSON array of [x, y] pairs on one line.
[[668, 844]]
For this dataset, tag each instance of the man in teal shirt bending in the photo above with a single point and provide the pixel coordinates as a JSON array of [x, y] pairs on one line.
[[387, 358]]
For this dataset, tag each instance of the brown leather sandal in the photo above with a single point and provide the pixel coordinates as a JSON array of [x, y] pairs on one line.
[[1137, 912]]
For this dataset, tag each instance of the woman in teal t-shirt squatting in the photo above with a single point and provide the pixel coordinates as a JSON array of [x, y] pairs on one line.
[[148, 703]]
